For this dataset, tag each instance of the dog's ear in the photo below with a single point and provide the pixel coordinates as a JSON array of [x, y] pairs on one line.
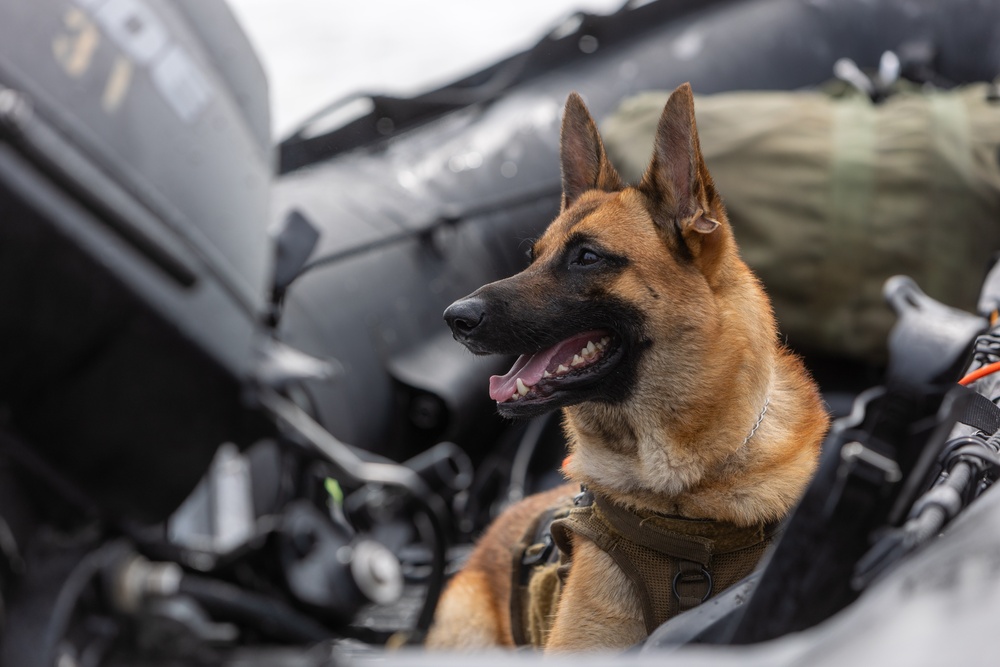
[[585, 165], [677, 179]]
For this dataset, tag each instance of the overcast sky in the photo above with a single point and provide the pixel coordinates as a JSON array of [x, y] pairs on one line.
[[315, 51]]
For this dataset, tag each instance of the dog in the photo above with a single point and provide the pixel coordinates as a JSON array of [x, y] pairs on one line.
[[638, 318]]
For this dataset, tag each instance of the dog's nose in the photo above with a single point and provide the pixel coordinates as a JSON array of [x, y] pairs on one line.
[[465, 315]]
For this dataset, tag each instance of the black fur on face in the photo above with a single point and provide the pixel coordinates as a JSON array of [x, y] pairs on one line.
[[549, 303]]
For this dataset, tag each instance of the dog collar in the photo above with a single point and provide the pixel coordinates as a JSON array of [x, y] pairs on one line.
[[760, 418]]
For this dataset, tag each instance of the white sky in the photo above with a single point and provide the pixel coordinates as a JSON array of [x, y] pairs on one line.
[[316, 51]]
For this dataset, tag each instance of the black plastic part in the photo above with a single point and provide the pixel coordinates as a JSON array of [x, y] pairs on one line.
[[134, 258], [989, 295], [931, 342], [105, 391], [181, 140], [294, 242], [868, 460], [315, 574], [446, 469]]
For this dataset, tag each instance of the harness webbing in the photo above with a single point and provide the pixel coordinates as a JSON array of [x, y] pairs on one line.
[[673, 563]]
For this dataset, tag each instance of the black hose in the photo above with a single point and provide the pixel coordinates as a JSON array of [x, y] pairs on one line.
[[933, 515], [270, 616], [931, 511], [921, 528], [72, 589], [435, 583], [959, 476]]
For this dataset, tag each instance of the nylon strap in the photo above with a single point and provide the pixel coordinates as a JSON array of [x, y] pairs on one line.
[[685, 539], [673, 563], [631, 526], [981, 413], [533, 554]]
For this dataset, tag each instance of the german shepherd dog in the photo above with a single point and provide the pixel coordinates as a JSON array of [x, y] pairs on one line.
[[638, 318]]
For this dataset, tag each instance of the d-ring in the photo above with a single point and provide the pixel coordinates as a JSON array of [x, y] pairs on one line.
[[704, 573]]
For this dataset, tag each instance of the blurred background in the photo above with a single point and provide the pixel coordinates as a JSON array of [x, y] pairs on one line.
[[317, 51]]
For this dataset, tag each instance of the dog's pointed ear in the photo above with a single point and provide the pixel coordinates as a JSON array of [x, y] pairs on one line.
[[677, 178], [585, 165]]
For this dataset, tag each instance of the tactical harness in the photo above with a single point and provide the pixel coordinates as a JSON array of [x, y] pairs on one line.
[[674, 564]]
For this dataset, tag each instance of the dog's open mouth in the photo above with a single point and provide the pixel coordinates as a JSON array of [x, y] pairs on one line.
[[573, 363]]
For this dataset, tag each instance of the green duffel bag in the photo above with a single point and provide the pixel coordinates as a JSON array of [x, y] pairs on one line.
[[829, 196]]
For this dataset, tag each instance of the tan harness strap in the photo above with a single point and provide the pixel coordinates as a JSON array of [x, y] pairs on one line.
[[674, 564], [536, 581], [652, 535]]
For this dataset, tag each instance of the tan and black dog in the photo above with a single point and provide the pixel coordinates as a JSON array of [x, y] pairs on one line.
[[682, 410]]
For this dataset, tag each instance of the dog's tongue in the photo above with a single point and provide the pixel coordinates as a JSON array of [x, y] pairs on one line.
[[530, 367]]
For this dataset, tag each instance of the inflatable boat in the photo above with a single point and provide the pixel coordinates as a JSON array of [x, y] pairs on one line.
[[224, 363]]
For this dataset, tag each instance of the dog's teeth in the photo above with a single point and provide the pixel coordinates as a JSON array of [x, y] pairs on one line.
[[514, 396], [605, 341], [521, 387], [546, 374], [562, 369], [591, 348], [577, 360]]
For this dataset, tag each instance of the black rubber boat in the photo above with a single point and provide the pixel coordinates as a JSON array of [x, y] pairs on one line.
[[170, 282]]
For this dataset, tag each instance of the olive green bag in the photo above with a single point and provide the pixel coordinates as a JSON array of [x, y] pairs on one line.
[[829, 196]]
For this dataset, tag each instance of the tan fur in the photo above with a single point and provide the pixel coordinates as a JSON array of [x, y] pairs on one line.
[[677, 445], [475, 612]]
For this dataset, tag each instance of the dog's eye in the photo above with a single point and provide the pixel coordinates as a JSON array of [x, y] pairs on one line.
[[587, 257]]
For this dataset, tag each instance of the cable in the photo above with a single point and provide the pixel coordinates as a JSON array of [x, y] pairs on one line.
[[963, 458], [522, 458], [980, 372], [548, 193], [69, 595], [265, 613]]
